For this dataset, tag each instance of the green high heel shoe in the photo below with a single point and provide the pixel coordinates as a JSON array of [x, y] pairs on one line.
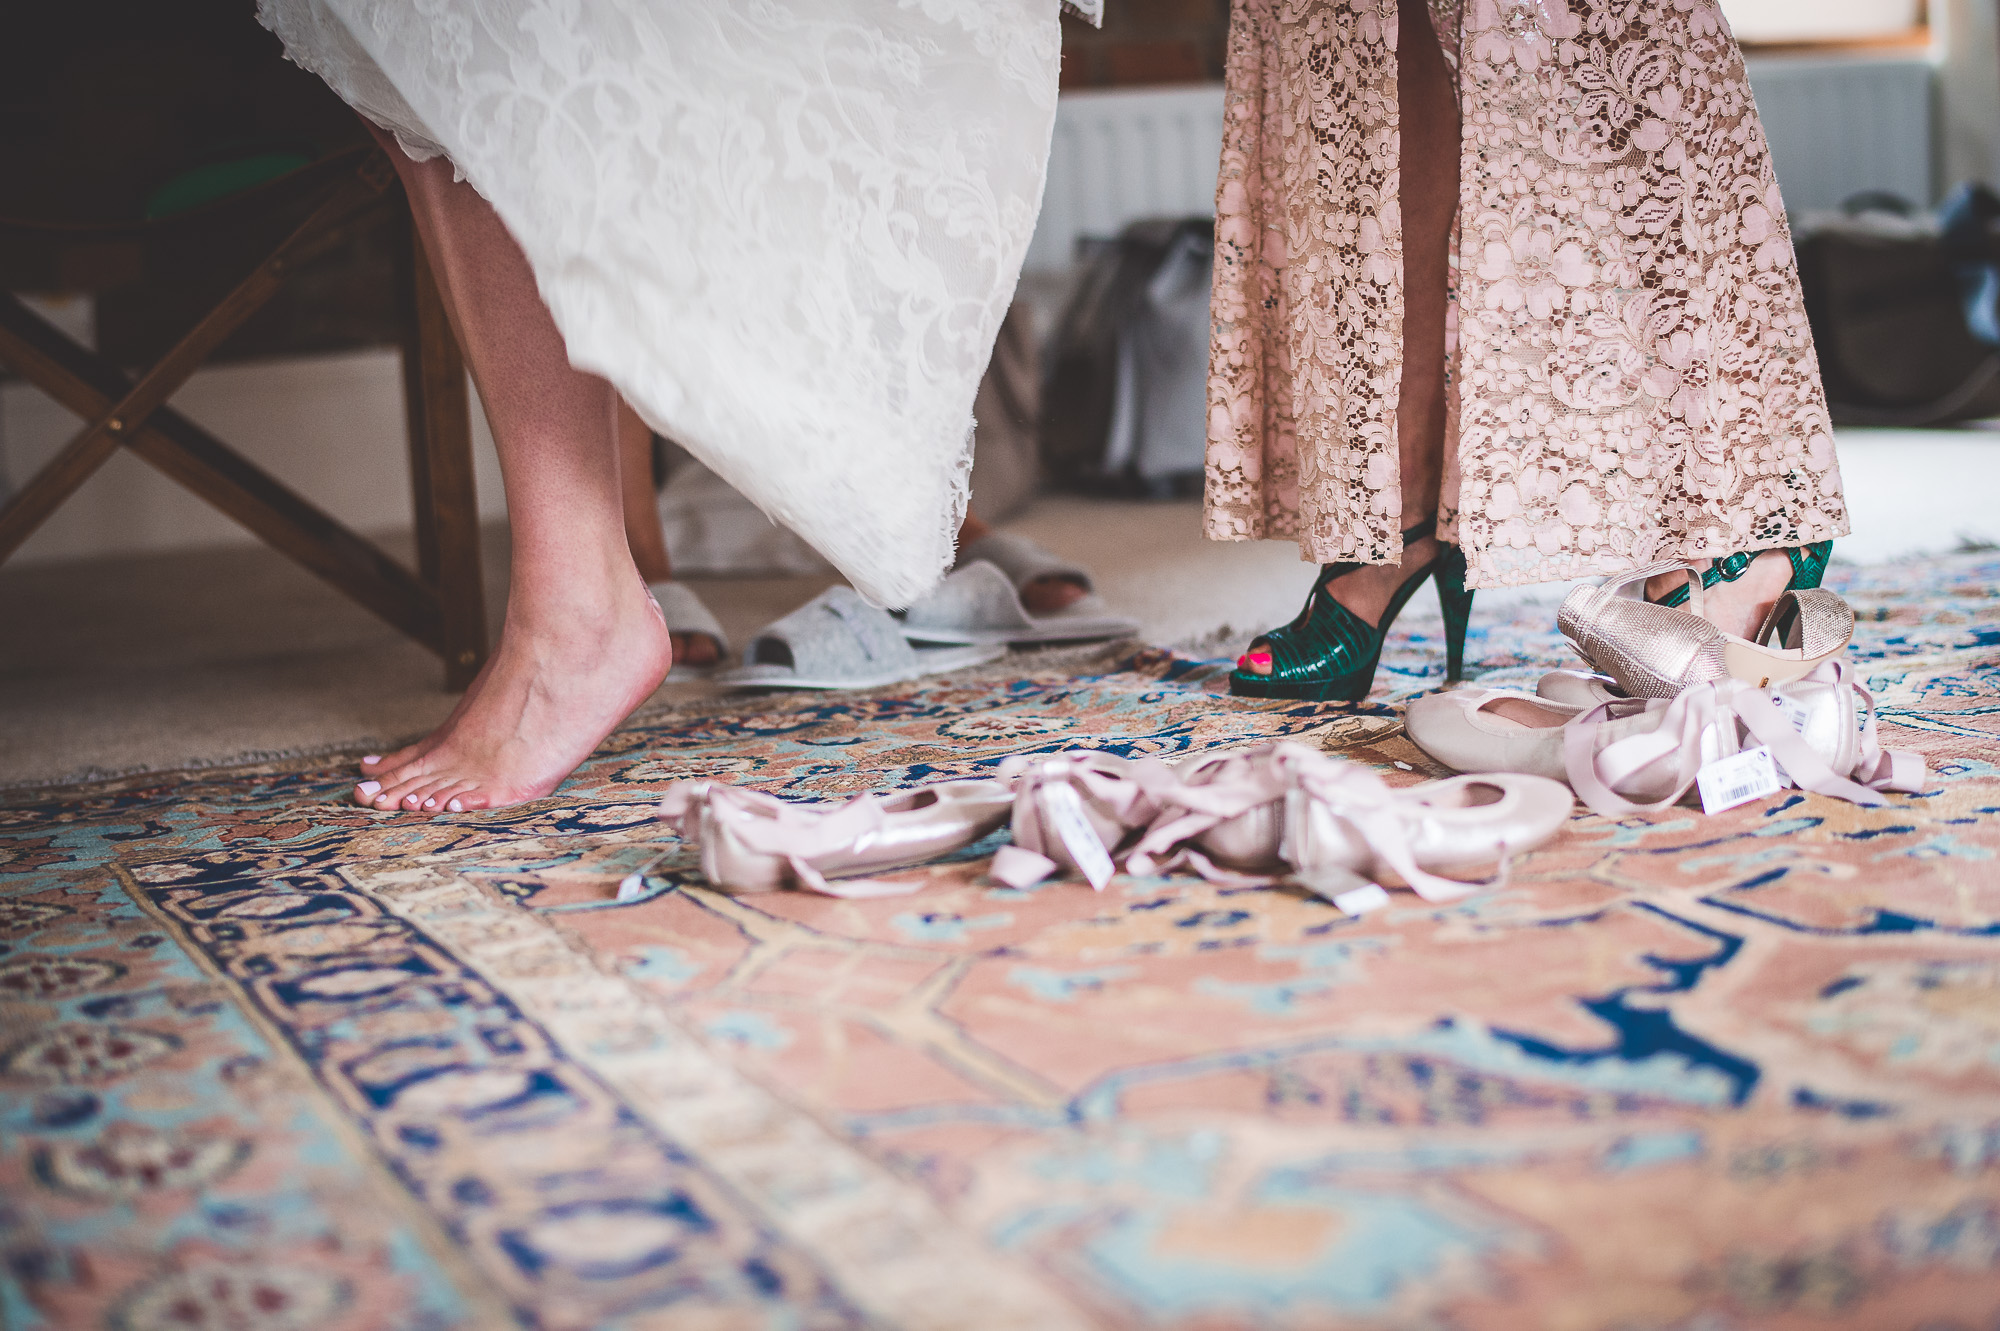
[[1329, 653], [1808, 568]]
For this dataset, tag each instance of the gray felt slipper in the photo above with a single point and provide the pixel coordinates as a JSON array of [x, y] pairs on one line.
[[839, 641], [1022, 560], [687, 616], [978, 604]]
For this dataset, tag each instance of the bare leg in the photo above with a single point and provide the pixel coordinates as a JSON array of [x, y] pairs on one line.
[[642, 526], [642, 520], [582, 643], [1427, 98]]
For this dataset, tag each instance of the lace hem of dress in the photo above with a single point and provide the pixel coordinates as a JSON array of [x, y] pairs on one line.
[[1631, 374], [786, 232]]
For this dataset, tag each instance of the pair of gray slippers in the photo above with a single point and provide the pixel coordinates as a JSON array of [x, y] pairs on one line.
[[839, 641]]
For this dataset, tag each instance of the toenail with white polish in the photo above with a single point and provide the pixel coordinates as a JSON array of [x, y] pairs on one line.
[[455, 807], [372, 758], [369, 787]]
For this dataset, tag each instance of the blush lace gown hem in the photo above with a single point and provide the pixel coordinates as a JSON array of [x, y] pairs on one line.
[[1629, 371], [786, 232]]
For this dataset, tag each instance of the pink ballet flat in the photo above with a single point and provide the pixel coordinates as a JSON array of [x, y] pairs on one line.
[[754, 842], [1255, 816], [1632, 755]]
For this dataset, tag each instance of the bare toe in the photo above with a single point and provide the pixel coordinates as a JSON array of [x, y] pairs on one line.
[[696, 649], [1057, 591], [394, 793], [548, 697], [425, 796], [377, 766], [449, 797]]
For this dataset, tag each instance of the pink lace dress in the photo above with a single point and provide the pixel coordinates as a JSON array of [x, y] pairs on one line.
[[1629, 371]]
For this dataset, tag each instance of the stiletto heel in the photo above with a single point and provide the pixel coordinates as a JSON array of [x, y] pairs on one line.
[[1455, 601], [1329, 653]]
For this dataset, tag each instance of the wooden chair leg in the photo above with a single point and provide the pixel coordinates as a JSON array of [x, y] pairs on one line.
[[441, 479]]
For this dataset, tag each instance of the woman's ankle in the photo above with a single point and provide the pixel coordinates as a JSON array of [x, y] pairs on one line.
[[1368, 591]]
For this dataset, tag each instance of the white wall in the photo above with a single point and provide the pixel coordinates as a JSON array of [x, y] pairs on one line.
[[1969, 90]]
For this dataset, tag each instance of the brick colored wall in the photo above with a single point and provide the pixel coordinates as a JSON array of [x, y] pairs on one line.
[[1147, 41]]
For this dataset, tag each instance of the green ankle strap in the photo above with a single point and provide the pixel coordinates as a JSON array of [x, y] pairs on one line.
[[1808, 568]]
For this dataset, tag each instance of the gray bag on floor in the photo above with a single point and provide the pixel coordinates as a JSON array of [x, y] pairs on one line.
[[1905, 308], [1125, 406]]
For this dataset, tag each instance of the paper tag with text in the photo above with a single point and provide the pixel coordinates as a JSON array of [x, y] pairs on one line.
[[1728, 782], [1063, 808]]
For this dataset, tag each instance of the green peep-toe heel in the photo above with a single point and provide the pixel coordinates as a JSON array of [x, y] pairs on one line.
[[1808, 568], [1329, 653]]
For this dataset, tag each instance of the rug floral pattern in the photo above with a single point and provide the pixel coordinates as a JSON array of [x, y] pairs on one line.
[[269, 1061]]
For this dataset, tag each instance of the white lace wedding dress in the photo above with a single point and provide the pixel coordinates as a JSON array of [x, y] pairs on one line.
[[785, 230]]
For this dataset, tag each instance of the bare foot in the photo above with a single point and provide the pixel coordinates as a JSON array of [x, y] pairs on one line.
[[1055, 592], [696, 649], [1735, 607], [382, 768], [1366, 591], [550, 694]]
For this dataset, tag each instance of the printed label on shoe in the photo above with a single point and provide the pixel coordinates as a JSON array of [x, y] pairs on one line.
[[1798, 714], [1795, 712], [1065, 810], [1728, 782]]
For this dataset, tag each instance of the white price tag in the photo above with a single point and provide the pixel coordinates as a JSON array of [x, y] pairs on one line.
[[1728, 782], [1065, 810], [1362, 900]]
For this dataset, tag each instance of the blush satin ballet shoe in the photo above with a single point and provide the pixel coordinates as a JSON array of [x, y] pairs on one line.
[[1577, 688], [754, 842], [1632, 755], [1082, 811], [1652, 651], [1253, 817]]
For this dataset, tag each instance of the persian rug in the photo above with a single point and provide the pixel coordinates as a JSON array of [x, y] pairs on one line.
[[271, 1061]]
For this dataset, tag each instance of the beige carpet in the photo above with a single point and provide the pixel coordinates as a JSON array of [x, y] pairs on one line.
[[115, 666]]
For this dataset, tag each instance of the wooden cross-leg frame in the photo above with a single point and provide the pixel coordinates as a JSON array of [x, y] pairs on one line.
[[441, 605]]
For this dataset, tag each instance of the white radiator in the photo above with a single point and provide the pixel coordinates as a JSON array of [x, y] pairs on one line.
[[1837, 125], [1124, 154]]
